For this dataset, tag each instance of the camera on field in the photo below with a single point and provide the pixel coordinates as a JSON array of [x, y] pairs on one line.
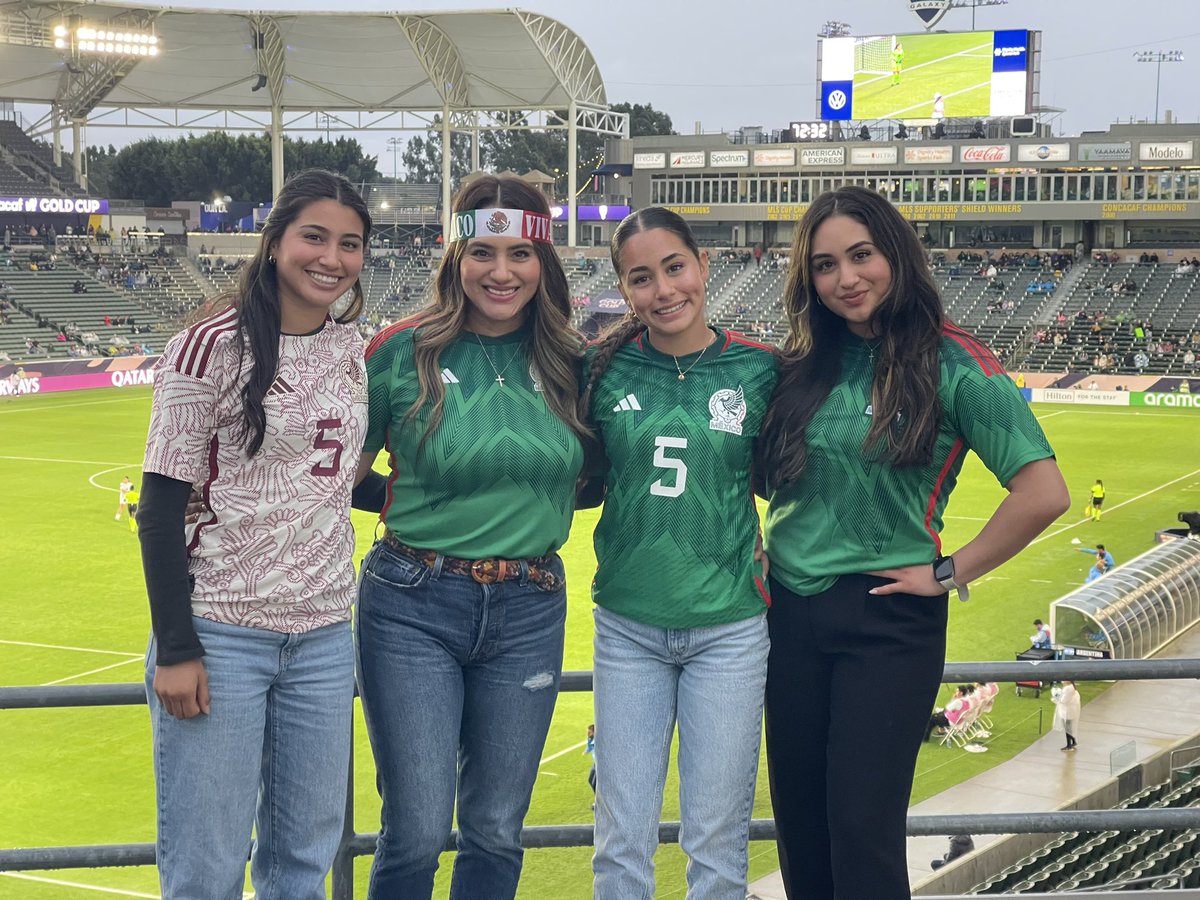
[[1192, 520]]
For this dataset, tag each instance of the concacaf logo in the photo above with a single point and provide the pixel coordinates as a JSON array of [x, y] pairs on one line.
[[497, 222]]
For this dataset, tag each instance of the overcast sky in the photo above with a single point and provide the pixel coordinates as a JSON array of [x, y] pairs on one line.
[[722, 64]]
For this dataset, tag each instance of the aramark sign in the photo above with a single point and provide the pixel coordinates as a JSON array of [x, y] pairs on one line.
[[71, 205]]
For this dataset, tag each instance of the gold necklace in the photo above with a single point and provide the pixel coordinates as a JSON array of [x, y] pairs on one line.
[[683, 372], [488, 357]]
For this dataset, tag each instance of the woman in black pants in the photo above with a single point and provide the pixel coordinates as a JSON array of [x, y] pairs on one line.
[[879, 400]]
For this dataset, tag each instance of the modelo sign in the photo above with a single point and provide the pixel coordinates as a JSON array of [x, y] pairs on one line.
[[986, 153], [80, 205], [1165, 152]]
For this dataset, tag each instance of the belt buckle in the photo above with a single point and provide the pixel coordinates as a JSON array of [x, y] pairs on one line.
[[488, 571]]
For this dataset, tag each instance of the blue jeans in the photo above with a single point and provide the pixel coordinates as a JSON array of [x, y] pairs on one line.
[[273, 753], [711, 681], [458, 683]]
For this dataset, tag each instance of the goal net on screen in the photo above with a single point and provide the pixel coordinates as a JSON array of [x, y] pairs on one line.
[[874, 54]]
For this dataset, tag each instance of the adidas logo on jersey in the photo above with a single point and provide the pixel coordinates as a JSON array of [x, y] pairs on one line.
[[627, 404], [449, 377]]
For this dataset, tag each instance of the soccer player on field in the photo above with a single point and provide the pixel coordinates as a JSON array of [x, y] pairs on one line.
[[250, 671], [879, 400], [126, 484], [680, 617], [897, 62], [462, 605]]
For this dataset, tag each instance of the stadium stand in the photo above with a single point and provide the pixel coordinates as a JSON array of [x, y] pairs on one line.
[[36, 160]]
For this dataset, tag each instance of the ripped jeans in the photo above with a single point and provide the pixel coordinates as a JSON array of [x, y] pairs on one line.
[[458, 683]]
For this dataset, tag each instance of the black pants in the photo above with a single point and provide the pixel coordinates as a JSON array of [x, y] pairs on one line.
[[850, 682]]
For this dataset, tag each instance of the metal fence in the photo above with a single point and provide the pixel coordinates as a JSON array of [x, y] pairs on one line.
[[541, 836]]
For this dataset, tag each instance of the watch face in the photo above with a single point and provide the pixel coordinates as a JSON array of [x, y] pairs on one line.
[[943, 568]]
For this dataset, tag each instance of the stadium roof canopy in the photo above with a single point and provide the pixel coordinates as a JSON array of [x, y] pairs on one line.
[[276, 71], [1137, 608]]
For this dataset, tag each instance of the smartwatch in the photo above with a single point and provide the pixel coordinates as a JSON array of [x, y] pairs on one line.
[[943, 574]]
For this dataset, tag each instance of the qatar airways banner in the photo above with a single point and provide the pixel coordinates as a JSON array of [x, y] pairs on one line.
[[18, 379]]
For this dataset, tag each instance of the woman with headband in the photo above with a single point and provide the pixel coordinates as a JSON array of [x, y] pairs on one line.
[[462, 602]]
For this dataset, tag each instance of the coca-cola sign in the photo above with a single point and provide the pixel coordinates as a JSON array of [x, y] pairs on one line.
[[986, 153]]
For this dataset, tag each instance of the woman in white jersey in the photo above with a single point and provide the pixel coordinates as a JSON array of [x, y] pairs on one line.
[[250, 670]]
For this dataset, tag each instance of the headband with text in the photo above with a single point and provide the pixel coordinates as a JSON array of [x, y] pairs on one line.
[[518, 223]]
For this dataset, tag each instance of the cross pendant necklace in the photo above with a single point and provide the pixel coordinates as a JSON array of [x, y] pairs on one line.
[[488, 357]]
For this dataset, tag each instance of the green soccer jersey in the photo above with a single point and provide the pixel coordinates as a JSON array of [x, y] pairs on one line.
[[497, 477], [846, 514], [675, 543]]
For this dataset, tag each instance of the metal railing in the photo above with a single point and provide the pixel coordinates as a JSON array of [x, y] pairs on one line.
[[542, 836]]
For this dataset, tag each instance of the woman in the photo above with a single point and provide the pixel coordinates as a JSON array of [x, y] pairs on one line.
[[1097, 496], [681, 634], [1066, 713], [462, 603], [879, 399], [250, 670]]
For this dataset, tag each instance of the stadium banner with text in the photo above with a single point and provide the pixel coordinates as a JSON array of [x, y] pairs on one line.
[[21, 379], [87, 206], [1186, 402], [590, 212], [927, 76], [649, 160], [1082, 397]]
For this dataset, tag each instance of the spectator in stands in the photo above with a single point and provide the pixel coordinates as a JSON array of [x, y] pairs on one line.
[[853, 591], [498, 333], [960, 845], [712, 601], [78, 287], [226, 607]]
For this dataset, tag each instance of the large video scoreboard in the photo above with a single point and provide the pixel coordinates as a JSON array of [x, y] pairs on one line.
[[928, 76]]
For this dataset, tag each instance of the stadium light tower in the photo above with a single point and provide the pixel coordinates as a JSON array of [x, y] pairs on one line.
[[1158, 57], [834, 28], [960, 4], [396, 146]]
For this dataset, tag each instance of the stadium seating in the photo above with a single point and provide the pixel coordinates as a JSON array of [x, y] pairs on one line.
[[37, 160]]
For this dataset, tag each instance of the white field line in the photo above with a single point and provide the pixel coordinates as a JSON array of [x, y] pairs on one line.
[[957, 757], [1050, 415], [83, 462], [82, 887], [78, 649], [92, 479], [562, 753], [1065, 528], [67, 405], [115, 665]]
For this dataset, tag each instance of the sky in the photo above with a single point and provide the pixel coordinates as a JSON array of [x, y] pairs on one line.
[[718, 65]]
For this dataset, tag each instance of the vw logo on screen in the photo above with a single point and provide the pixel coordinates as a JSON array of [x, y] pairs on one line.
[[837, 99]]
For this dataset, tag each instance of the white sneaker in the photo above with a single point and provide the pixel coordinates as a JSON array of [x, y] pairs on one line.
[[117, 517]]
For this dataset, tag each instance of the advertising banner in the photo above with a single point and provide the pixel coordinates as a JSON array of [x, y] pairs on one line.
[[1082, 397], [823, 156], [76, 374], [1185, 402], [649, 160]]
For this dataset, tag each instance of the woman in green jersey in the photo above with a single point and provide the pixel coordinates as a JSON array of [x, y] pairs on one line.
[[462, 604], [879, 400], [681, 635]]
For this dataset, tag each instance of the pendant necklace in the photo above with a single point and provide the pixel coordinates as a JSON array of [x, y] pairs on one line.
[[683, 372], [488, 357], [871, 348]]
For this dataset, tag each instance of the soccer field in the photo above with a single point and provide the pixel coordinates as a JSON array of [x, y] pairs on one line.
[[959, 67], [73, 611]]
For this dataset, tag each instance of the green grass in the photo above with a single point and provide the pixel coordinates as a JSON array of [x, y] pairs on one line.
[[957, 66], [72, 579]]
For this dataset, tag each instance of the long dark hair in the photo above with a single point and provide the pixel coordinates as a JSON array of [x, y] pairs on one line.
[[629, 326], [257, 295], [908, 321], [553, 347]]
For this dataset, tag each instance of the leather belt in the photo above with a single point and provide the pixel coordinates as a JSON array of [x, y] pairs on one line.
[[490, 570]]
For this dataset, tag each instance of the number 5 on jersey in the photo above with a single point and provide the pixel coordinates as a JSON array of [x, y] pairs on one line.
[[662, 461]]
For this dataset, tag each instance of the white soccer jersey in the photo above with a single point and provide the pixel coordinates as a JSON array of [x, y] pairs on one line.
[[275, 550]]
